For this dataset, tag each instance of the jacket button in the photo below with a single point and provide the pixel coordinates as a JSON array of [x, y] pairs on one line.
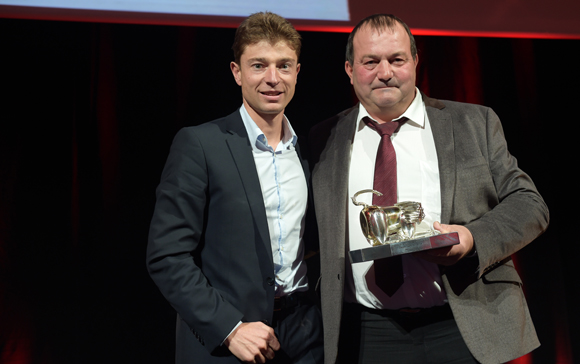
[[270, 281]]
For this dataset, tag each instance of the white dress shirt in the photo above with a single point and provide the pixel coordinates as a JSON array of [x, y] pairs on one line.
[[285, 196], [417, 180]]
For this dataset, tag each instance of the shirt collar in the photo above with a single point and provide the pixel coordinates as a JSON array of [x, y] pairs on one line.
[[258, 139], [415, 113]]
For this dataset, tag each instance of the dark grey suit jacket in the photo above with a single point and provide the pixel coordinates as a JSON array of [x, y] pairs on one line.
[[209, 249], [481, 188]]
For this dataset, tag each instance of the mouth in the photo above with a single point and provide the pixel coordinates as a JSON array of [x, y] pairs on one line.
[[384, 86], [271, 93], [272, 96]]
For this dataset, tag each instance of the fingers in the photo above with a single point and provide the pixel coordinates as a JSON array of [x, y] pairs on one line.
[[253, 342], [437, 226], [451, 254], [272, 345], [268, 347], [268, 353], [259, 358], [273, 342], [442, 228]]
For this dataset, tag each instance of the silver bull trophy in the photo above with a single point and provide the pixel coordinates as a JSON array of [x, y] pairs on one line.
[[391, 231], [389, 224]]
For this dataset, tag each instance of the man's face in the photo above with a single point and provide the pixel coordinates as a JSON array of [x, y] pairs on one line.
[[267, 74], [383, 71]]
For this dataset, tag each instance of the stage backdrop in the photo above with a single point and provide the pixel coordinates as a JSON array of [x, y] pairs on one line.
[[514, 18], [87, 116]]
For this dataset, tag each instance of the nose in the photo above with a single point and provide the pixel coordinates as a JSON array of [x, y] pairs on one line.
[[384, 71], [271, 76]]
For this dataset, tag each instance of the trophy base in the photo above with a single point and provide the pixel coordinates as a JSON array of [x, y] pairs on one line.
[[404, 247]]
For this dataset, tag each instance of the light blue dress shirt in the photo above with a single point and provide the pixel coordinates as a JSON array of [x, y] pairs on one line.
[[285, 195]]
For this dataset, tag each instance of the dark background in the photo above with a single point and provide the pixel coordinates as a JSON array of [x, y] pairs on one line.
[[87, 115]]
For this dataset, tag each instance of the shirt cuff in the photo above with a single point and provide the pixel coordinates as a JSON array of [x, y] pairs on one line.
[[235, 327]]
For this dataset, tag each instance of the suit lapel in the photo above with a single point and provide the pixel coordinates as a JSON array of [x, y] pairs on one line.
[[303, 162], [241, 151], [330, 177], [442, 128]]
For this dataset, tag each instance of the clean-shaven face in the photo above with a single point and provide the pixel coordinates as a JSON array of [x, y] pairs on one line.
[[267, 74], [383, 71]]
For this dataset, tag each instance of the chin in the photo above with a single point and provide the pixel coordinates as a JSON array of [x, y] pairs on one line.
[[274, 108], [269, 111], [387, 103]]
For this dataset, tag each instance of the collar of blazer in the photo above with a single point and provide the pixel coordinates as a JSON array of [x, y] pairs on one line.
[[443, 136], [241, 151]]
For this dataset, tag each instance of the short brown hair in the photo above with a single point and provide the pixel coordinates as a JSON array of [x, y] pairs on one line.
[[265, 26], [378, 22]]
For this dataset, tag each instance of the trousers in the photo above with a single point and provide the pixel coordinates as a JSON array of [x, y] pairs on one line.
[[428, 336]]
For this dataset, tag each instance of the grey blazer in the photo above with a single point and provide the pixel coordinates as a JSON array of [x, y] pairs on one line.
[[481, 188]]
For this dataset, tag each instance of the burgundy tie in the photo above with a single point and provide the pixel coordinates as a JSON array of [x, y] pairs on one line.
[[388, 271]]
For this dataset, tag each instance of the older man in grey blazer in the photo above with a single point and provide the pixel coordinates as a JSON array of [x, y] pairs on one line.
[[459, 304]]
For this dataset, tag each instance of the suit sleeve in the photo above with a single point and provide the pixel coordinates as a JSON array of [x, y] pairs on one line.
[[518, 214], [176, 239]]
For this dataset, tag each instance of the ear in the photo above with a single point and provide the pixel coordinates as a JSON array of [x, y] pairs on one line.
[[237, 72], [348, 69], [297, 71]]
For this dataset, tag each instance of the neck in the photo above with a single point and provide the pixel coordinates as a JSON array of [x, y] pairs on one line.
[[387, 114], [270, 124], [384, 116]]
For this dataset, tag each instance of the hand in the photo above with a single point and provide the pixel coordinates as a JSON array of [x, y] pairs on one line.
[[253, 342], [449, 255]]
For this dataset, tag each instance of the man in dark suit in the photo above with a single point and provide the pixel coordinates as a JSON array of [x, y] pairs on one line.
[[459, 304], [226, 240]]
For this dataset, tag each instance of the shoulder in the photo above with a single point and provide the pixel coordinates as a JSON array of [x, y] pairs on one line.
[[455, 108], [209, 131], [462, 117], [231, 121]]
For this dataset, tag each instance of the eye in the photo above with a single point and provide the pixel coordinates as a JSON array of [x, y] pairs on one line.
[[370, 63], [285, 67], [398, 61], [257, 66]]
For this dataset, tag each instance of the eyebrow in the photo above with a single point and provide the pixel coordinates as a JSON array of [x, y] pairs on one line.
[[396, 54], [264, 60]]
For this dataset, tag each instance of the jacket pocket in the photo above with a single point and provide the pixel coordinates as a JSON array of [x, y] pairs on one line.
[[504, 273]]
